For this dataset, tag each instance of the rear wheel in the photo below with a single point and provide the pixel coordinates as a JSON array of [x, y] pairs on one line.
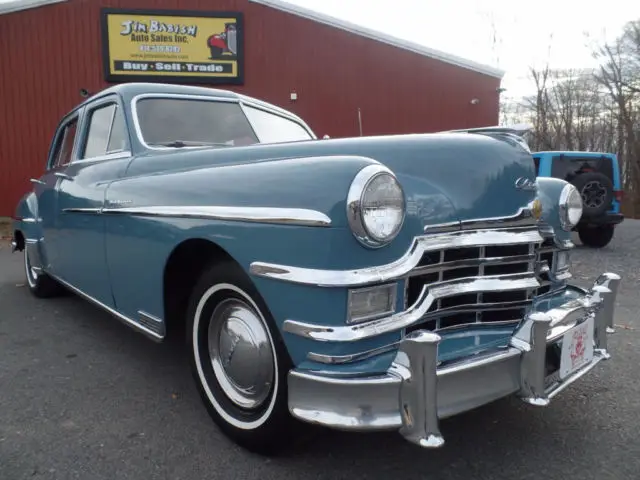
[[596, 237], [239, 362], [40, 284]]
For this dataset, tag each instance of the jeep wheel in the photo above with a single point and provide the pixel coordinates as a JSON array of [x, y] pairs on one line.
[[596, 190], [40, 284], [596, 237], [239, 361]]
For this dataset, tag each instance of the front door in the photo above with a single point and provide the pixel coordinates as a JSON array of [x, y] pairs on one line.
[[101, 156]]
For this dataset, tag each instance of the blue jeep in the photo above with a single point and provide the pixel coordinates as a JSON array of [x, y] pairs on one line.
[[597, 176]]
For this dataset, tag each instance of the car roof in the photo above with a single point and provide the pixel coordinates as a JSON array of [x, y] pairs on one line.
[[130, 90]]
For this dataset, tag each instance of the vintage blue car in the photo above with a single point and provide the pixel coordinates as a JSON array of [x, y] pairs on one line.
[[363, 283]]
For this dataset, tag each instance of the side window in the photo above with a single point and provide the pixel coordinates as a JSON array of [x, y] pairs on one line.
[[118, 138], [64, 146], [272, 128], [106, 133]]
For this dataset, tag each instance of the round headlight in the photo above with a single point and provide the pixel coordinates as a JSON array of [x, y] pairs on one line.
[[375, 206], [570, 207]]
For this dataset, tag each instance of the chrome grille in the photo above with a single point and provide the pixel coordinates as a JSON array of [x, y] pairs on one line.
[[458, 266]]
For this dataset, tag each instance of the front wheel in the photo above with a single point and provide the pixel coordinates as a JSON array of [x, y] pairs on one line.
[[239, 362], [596, 237]]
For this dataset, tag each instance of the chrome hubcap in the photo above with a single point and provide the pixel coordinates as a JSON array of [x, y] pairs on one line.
[[32, 274], [240, 353]]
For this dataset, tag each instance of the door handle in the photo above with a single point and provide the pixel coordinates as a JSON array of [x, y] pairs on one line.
[[35, 180], [63, 175]]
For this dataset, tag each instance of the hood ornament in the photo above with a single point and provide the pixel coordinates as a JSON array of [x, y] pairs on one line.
[[524, 183]]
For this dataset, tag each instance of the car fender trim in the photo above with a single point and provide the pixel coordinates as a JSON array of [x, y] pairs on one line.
[[274, 215]]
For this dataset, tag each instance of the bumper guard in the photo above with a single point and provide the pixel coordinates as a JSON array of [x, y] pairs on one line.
[[415, 393]]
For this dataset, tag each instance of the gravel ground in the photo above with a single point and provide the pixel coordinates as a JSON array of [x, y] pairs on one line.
[[84, 397]]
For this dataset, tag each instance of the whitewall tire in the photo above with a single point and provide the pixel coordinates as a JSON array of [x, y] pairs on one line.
[[239, 361]]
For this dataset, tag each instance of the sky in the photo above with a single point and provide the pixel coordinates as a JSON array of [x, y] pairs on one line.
[[508, 34], [466, 28]]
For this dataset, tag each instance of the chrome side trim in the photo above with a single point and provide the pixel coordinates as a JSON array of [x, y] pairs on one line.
[[95, 211], [152, 322], [64, 176], [29, 220], [98, 158], [124, 319], [398, 268], [398, 321], [286, 216]]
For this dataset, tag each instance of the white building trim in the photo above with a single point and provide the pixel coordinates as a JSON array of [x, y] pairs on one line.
[[17, 5]]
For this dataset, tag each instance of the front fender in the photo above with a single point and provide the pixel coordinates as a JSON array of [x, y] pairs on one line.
[[26, 218]]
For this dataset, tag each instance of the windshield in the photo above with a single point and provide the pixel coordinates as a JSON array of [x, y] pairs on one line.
[[177, 122]]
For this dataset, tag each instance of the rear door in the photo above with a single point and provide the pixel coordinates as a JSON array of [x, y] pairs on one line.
[[46, 192]]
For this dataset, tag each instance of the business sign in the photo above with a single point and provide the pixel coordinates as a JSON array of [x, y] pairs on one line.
[[160, 45]]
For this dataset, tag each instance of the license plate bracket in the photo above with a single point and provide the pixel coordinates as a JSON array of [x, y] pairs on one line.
[[577, 348]]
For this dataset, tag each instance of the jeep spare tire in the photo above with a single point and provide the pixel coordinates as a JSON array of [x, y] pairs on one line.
[[596, 190]]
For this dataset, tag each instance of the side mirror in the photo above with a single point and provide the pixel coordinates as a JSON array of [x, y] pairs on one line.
[[84, 92]]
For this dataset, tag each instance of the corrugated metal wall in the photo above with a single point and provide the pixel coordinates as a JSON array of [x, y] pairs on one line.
[[49, 53]]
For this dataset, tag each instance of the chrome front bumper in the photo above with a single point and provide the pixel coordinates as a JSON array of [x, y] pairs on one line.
[[416, 392]]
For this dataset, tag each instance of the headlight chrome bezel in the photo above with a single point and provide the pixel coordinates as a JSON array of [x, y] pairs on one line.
[[569, 194], [355, 214]]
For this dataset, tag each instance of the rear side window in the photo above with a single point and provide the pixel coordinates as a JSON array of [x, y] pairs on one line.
[[64, 144], [106, 133]]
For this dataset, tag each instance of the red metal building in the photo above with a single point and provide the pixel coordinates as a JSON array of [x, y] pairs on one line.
[[51, 49]]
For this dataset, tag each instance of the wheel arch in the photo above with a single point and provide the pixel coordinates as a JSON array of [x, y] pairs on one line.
[[183, 267]]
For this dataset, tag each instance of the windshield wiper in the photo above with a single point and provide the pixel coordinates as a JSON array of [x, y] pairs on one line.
[[190, 143]]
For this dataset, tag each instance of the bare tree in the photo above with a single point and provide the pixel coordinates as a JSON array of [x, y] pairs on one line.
[[619, 75], [590, 109]]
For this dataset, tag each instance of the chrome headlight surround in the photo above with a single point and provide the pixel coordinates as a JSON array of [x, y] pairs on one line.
[[364, 213], [570, 207]]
